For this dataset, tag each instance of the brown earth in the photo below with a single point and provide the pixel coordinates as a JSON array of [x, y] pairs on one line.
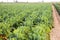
[[55, 32]]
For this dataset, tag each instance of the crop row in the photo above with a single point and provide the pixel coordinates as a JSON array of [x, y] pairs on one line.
[[57, 6]]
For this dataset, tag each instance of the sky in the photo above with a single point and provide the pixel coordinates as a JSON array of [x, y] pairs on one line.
[[30, 0]]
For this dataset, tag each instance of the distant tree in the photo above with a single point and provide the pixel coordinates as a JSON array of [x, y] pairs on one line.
[[42, 0], [16, 1]]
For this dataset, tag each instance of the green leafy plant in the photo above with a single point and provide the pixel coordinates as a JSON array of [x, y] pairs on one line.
[[31, 21]]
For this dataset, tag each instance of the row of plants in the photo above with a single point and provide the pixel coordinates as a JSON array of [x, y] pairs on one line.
[[26, 21], [57, 6]]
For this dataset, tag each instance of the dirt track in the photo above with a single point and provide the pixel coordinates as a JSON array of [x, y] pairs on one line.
[[55, 32]]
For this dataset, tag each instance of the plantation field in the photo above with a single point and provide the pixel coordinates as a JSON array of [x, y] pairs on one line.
[[26, 21]]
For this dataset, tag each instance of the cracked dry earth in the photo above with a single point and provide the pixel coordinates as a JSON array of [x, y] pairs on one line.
[[55, 32]]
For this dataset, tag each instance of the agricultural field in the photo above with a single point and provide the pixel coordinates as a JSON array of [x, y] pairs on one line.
[[57, 6], [25, 21]]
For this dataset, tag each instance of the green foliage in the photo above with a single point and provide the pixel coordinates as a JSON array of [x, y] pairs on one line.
[[57, 6], [26, 21]]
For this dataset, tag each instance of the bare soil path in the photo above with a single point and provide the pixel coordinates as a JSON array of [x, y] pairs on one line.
[[55, 32]]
